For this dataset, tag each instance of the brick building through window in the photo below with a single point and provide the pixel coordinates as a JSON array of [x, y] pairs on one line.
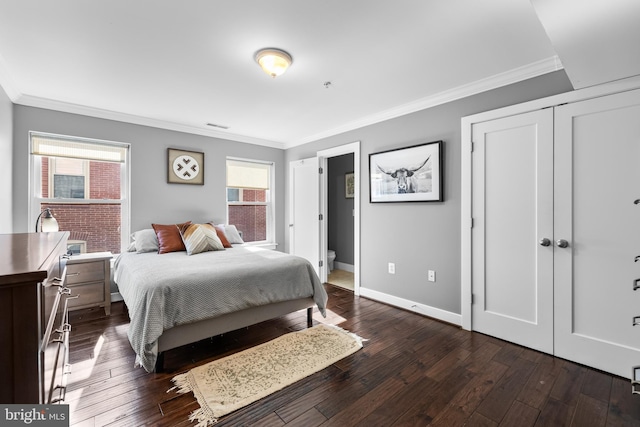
[[84, 194], [249, 199]]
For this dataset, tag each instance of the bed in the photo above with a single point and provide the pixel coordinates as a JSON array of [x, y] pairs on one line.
[[175, 299]]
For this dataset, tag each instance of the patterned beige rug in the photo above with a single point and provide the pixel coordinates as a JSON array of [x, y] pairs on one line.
[[228, 384]]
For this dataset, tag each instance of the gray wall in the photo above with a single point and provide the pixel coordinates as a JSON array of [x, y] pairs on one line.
[[152, 198], [6, 169], [340, 209], [422, 236], [415, 236]]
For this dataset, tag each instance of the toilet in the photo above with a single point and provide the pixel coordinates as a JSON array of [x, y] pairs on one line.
[[331, 256]]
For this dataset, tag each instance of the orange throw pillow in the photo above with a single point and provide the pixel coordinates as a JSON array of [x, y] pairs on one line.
[[169, 238]]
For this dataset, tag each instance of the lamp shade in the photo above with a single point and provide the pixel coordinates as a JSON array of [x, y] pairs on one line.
[[274, 61], [47, 222], [49, 225]]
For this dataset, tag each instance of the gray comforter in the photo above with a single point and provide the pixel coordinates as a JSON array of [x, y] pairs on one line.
[[163, 291]]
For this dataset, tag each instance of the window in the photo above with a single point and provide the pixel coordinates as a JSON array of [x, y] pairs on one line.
[[250, 199], [84, 184], [69, 178]]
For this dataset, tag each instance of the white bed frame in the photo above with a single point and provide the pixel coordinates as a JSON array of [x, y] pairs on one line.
[[194, 332]]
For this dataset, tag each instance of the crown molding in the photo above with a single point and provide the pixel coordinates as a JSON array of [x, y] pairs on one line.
[[50, 104], [535, 69], [515, 75]]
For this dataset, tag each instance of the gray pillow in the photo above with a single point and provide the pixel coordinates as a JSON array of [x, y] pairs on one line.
[[145, 240], [232, 234]]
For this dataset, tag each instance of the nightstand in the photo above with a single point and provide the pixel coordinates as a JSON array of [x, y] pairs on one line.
[[89, 276]]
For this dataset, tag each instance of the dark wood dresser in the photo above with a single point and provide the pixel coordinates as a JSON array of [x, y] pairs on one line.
[[31, 276]]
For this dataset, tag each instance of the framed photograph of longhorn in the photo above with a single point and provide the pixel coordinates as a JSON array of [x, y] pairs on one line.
[[408, 174], [185, 167]]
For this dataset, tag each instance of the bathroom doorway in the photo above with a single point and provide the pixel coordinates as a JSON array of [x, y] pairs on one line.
[[340, 220], [340, 207]]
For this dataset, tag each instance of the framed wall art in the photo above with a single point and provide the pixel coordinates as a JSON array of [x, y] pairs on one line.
[[409, 174], [185, 167], [349, 185]]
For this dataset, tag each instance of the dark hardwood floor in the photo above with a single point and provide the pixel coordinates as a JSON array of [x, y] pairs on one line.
[[412, 371]]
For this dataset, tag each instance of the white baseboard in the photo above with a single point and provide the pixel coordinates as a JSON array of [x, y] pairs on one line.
[[343, 266], [436, 313]]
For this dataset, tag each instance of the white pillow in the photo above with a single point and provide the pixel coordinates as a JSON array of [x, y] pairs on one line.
[[231, 232], [145, 240]]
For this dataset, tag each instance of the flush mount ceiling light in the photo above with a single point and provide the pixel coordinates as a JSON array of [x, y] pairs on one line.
[[273, 61]]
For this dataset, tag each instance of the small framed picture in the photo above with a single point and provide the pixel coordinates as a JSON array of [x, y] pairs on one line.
[[409, 174], [349, 185], [185, 167]]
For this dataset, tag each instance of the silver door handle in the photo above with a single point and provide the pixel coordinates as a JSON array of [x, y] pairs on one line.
[[290, 225], [562, 243], [545, 242]]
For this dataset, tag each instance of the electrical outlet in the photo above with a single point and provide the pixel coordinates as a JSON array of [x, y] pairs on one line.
[[432, 276], [392, 268]]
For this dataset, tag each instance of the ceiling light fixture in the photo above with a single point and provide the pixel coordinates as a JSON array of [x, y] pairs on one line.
[[273, 61]]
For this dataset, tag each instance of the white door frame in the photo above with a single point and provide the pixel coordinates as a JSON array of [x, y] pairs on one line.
[[323, 157]]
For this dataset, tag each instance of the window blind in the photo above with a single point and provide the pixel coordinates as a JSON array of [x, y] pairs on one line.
[[250, 175], [54, 146]]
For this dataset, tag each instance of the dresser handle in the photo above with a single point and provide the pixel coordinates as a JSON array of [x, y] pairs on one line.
[[634, 380]]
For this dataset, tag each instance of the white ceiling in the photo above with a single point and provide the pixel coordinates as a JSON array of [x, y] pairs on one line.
[[181, 64], [597, 40]]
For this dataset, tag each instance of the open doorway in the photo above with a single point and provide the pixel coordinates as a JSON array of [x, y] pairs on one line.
[[340, 207], [340, 223]]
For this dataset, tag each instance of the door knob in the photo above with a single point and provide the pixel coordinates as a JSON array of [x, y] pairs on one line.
[[562, 243], [545, 242]]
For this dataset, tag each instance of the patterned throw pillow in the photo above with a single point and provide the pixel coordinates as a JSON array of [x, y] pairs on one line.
[[200, 238]]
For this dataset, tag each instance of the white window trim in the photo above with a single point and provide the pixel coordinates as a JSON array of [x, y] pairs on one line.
[[35, 187], [271, 217]]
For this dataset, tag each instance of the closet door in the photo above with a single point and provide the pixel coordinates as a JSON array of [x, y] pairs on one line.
[[304, 205], [512, 209], [597, 178]]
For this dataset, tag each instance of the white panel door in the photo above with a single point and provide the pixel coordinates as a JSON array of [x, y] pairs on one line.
[[304, 224], [597, 179], [512, 205]]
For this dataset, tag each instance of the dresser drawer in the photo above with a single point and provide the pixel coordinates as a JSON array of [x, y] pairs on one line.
[[85, 272], [88, 293], [89, 276]]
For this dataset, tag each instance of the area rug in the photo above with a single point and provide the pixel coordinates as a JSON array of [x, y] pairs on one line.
[[230, 383]]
